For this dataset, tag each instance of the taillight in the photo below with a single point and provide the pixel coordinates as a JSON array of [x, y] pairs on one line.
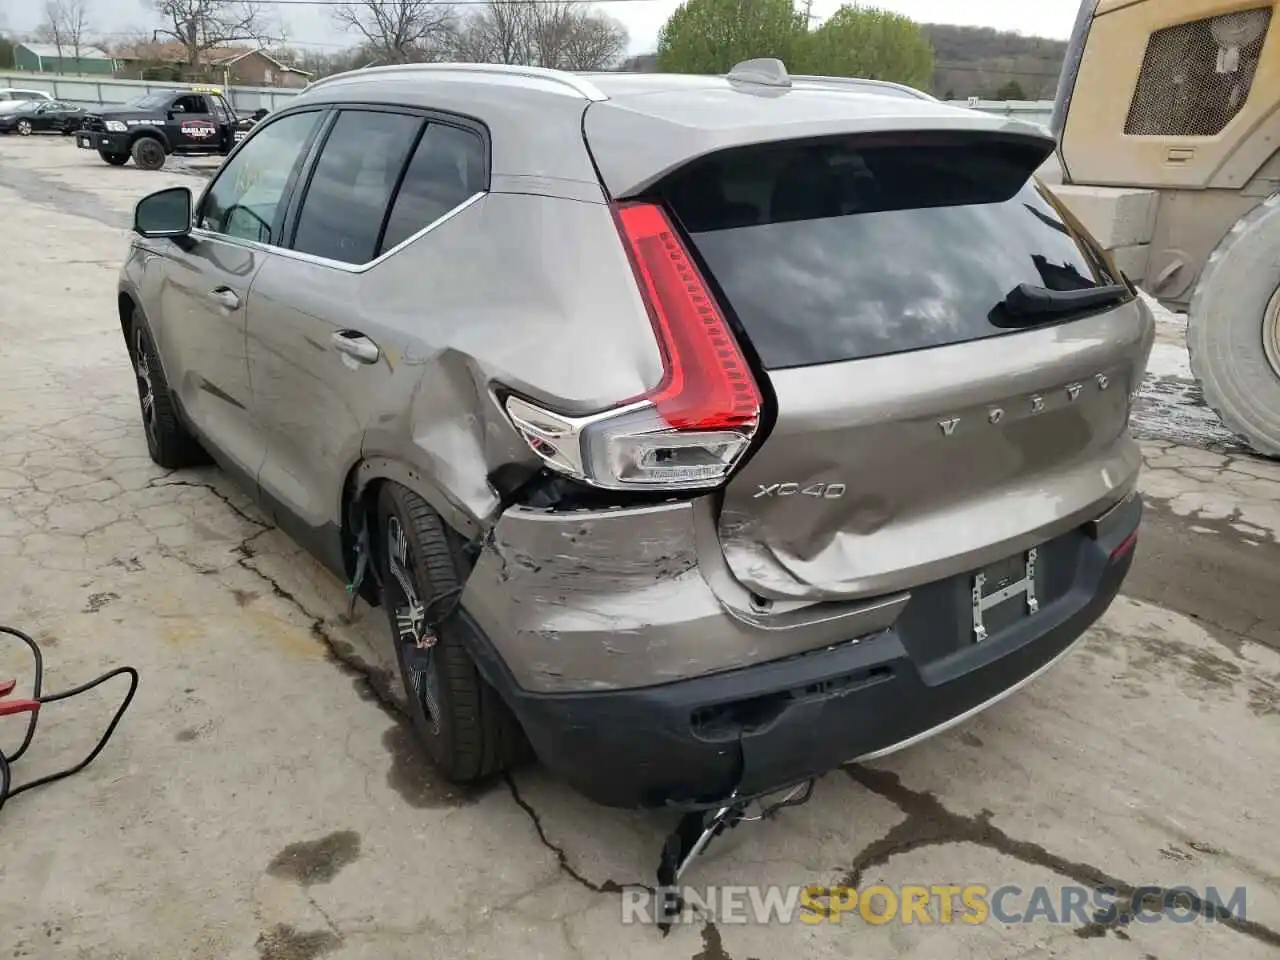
[[691, 429], [1126, 546]]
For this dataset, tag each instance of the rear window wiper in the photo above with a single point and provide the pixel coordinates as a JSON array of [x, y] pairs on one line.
[[1026, 301]]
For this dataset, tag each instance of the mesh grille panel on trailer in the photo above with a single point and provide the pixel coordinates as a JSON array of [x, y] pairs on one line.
[[1196, 76]]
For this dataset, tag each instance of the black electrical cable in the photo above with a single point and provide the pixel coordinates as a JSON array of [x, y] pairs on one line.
[[33, 707]]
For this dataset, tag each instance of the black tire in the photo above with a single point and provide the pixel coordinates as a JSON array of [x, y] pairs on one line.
[[170, 444], [115, 159], [1233, 329], [470, 734], [148, 153], [24, 128]]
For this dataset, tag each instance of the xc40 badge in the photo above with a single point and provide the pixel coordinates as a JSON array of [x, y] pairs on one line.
[[822, 491]]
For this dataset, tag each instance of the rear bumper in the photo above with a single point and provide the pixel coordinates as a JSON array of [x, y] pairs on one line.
[[765, 727]]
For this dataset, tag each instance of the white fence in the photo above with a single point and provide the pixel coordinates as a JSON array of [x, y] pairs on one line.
[[92, 92]]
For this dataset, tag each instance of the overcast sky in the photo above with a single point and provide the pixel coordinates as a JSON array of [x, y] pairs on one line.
[[311, 26]]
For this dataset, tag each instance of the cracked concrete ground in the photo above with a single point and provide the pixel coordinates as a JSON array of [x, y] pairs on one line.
[[263, 800]]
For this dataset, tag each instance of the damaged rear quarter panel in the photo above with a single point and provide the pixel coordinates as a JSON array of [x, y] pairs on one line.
[[531, 293]]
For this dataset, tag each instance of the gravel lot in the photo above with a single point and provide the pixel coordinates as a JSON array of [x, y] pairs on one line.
[[264, 801]]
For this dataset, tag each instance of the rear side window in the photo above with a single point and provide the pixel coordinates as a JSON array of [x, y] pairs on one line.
[[447, 167], [352, 183], [860, 247]]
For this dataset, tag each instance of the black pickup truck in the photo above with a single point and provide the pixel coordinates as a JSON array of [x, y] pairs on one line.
[[195, 120]]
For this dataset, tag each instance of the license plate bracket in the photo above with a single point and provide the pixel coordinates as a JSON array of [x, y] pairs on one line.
[[1001, 583]]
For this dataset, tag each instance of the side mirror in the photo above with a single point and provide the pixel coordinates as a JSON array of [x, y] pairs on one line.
[[165, 213]]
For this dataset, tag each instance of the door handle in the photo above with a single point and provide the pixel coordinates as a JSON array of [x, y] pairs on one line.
[[355, 344], [225, 297]]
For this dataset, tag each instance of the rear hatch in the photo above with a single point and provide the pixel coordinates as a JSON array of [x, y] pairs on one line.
[[950, 360]]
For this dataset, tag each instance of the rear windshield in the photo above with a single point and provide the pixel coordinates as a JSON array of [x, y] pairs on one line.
[[842, 249]]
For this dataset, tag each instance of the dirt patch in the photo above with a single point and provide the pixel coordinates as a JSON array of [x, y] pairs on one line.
[[413, 776], [244, 597], [1182, 570], [283, 942], [316, 861]]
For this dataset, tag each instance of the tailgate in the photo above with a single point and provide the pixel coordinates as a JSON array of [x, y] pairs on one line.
[[928, 420]]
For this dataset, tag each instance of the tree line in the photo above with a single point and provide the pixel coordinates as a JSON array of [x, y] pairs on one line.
[[701, 36], [710, 36]]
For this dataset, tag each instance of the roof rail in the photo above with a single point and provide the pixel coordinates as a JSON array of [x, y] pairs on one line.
[[865, 83], [766, 71], [579, 85]]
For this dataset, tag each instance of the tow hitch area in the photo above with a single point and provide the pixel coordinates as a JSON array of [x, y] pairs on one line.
[[694, 833]]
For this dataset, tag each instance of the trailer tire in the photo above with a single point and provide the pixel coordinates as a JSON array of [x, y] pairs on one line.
[[1233, 329]]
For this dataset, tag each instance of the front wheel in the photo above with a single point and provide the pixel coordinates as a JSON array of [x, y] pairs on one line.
[[1233, 330], [464, 725], [148, 153], [168, 442]]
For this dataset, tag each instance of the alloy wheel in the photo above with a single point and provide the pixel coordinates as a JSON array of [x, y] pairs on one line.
[[146, 388], [24, 128], [415, 641]]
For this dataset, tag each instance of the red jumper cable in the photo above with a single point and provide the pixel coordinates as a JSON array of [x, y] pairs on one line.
[[31, 707]]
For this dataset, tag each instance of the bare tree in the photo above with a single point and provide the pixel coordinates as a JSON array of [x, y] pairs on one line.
[[51, 30], [400, 31], [497, 33], [77, 24], [542, 33], [201, 25]]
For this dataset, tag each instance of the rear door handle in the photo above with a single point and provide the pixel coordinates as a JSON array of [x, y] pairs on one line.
[[355, 344], [225, 297]]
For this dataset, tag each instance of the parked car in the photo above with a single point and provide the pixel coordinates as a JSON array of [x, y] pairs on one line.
[[26, 117], [9, 94], [707, 432], [196, 120]]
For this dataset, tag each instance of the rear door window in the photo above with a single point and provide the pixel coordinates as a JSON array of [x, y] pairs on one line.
[[351, 186], [448, 166], [855, 247]]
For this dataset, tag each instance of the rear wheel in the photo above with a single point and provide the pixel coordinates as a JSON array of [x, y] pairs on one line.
[[168, 441], [1233, 330], [148, 153], [464, 725], [24, 128], [115, 159]]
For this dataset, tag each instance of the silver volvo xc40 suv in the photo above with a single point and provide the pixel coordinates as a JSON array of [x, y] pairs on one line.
[[701, 433]]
